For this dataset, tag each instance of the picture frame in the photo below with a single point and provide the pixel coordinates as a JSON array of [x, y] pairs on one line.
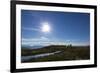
[[18, 9]]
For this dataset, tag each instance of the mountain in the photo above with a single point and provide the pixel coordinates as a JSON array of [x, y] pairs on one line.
[[33, 47]]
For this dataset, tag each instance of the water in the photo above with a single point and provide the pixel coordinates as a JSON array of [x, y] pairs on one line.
[[26, 58]]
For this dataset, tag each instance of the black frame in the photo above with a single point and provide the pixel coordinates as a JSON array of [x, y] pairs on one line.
[[13, 36]]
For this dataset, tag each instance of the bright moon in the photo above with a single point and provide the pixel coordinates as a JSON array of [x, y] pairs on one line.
[[45, 27]]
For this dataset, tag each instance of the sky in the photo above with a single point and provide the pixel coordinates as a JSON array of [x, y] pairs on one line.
[[50, 27]]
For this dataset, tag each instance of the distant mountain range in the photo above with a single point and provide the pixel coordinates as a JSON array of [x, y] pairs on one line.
[[42, 46], [33, 47]]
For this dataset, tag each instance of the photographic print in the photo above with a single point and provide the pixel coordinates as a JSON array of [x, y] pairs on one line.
[[53, 36]]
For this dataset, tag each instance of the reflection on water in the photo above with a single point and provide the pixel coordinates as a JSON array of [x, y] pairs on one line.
[[26, 58]]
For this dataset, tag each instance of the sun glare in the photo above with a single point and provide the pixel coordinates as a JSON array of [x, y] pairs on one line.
[[45, 27]]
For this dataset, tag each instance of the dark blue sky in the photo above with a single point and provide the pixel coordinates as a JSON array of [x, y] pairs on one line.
[[65, 27]]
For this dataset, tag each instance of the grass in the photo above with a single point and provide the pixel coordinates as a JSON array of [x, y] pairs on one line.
[[67, 53]]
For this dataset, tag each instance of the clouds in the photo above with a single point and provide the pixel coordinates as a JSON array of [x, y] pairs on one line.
[[44, 41], [30, 29], [35, 41], [44, 27]]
